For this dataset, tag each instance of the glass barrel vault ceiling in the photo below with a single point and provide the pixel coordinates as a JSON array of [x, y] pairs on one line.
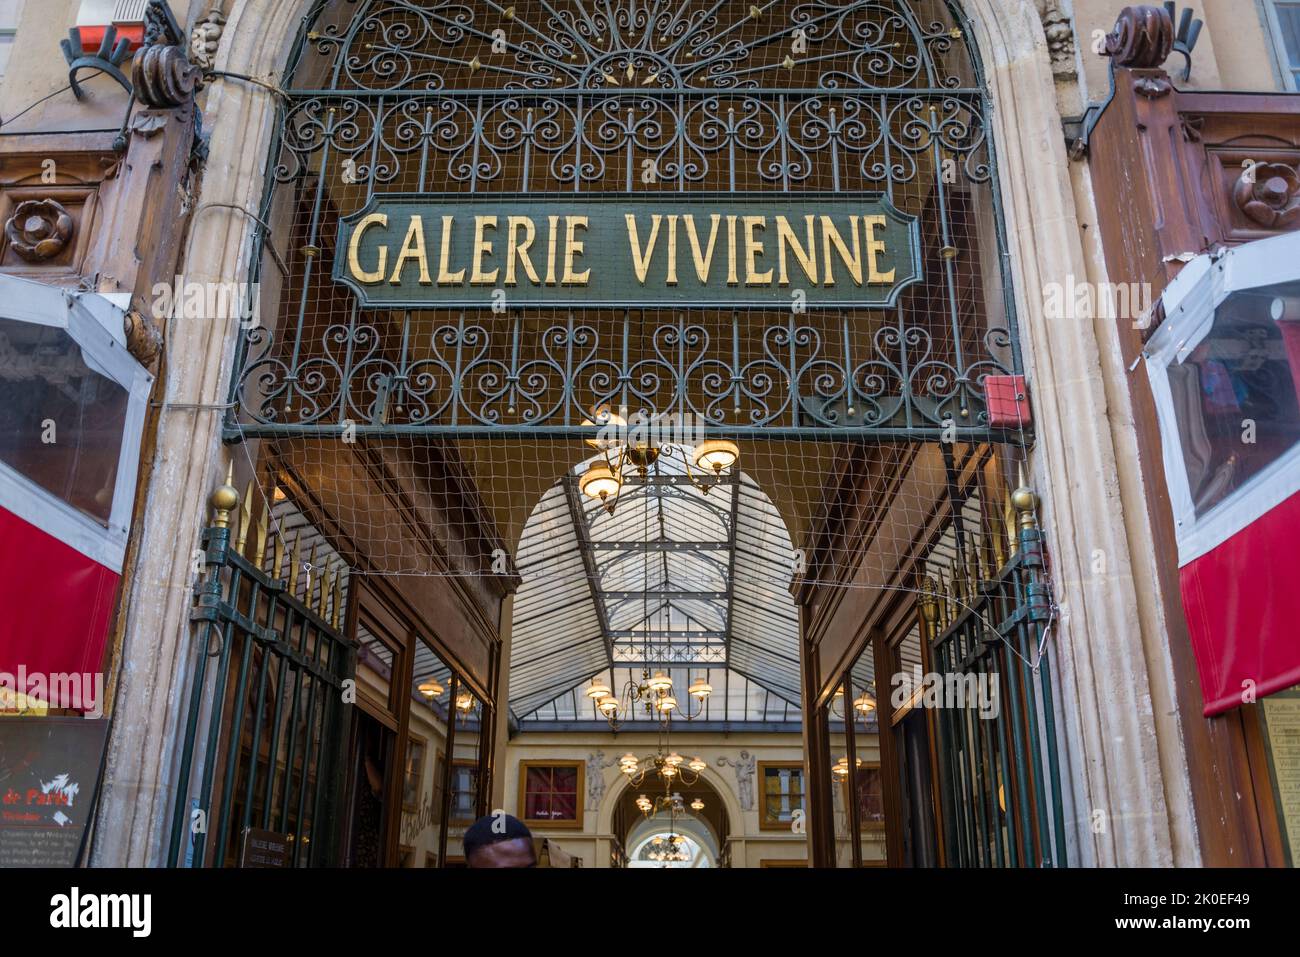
[[693, 584]]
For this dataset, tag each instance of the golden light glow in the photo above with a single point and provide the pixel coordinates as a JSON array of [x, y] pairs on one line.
[[864, 703], [464, 701], [598, 481], [598, 690], [700, 689], [697, 805], [716, 455], [608, 705], [697, 765], [660, 683], [667, 703], [430, 689]]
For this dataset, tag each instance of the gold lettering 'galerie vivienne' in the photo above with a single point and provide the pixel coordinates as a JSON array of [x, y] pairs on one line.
[[415, 252]]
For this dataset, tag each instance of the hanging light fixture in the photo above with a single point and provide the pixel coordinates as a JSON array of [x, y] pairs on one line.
[[697, 805], [598, 689], [700, 689], [864, 704], [464, 702], [430, 689], [716, 456], [635, 448], [599, 481]]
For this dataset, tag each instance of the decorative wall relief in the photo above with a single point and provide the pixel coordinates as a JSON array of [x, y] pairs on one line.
[[1269, 193], [596, 765], [745, 767], [39, 229], [205, 38], [1060, 38]]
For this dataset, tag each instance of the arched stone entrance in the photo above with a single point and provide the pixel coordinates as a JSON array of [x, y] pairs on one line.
[[1074, 483]]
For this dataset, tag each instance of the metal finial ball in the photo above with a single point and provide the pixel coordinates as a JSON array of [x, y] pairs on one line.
[[1024, 500], [224, 499]]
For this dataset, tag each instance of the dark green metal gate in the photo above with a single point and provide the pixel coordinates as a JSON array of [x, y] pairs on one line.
[[266, 732], [1000, 785]]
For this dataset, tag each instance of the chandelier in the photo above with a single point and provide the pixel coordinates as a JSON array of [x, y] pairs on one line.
[[666, 768], [654, 694], [639, 447], [668, 850]]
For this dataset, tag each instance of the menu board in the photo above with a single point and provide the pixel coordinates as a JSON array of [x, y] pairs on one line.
[[1282, 717], [48, 771]]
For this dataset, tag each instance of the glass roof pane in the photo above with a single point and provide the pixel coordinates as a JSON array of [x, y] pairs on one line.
[[673, 578]]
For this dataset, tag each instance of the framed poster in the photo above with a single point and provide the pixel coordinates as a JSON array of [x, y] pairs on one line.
[[49, 769], [1281, 722]]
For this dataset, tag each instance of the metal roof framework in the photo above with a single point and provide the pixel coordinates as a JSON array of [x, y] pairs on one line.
[[675, 579]]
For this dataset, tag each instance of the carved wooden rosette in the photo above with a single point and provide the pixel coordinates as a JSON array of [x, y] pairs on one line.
[[39, 229], [1269, 194]]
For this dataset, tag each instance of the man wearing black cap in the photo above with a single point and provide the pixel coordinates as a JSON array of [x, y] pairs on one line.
[[499, 840]]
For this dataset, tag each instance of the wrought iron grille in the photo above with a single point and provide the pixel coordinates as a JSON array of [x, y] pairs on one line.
[[999, 776], [266, 723], [879, 99]]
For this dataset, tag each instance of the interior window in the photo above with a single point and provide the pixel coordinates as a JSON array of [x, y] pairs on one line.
[[1237, 393], [61, 423], [1286, 26]]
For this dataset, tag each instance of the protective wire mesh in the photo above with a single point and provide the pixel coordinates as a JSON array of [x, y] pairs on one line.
[[434, 443]]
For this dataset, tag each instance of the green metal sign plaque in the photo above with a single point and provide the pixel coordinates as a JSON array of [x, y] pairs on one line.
[[424, 252]]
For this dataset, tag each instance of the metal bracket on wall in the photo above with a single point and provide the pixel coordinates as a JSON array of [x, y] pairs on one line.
[[1078, 129], [108, 59]]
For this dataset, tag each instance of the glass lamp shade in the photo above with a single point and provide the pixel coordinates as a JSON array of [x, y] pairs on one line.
[[464, 701], [674, 759], [598, 481], [700, 689], [716, 455], [864, 704], [608, 705], [430, 689], [660, 683], [697, 765], [669, 771], [598, 690], [697, 805], [629, 758], [667, 704]]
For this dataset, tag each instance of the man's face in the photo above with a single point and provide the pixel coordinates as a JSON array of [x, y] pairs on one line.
[[514, 853]]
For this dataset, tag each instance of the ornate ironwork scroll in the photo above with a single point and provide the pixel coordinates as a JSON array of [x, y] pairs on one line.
[[868, 99]]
